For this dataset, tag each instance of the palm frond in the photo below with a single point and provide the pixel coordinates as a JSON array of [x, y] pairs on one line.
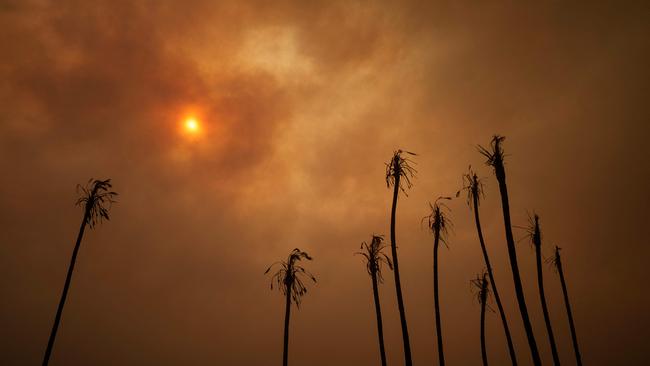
[[438, 220], [495, 155], [474, 187], [289, 277], [96, 199], [401, 167], [375, 257]]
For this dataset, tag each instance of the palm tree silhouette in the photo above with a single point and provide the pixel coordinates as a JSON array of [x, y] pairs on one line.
[[374, 257], [495, 159], [439, 224], [398, 174], [557, 263], [96, 199], [474, 187], [288, 279], [535, 235], [480, 283]]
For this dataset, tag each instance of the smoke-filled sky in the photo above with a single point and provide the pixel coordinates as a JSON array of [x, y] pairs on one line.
[[300, 104]]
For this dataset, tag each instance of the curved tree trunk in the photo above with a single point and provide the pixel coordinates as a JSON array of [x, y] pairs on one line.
[[66, 287], [497, 298], [542, 296], [398, 286], [512, 254], [574, 338], [287, 314], [441, 355], [380, 328], [483, 349]]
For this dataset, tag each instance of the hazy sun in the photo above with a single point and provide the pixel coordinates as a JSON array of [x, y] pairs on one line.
[[191, 125]]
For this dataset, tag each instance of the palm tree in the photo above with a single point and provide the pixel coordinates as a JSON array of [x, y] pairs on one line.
[[557, 262], [495, 159], [288, 279], [96, 200], [399, 174], [374, 257], [480, 283], [535, 235], [474, 187], [439, 224]]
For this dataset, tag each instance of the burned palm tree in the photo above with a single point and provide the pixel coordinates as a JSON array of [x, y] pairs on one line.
[[439, 224], [398, 174], [495, 158], [557, 263], [474, 187], [535, 235], [96, 200], [480, 284], [374, 258], [288, 278]]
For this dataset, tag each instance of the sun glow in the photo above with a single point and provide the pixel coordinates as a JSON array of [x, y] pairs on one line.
[[191, 125]]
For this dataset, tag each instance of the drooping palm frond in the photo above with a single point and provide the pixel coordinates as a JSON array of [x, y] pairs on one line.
[[400, 166], [96, 199], [495, 156], [289, 278], [533, 232], [474, 187], [438, 220], [374, 256], [480, 287], [555, 261]]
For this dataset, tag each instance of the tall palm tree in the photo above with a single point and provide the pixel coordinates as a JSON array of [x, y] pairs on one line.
[[374, 257], [96, 200], [535, 236], [557, 262], [474, 187], [439, 224], [288, 279], [398, 174], [495, 158], [480, 283]]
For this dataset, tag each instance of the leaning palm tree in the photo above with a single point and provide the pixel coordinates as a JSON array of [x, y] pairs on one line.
[[480, 283], [495, 159], [374, 257], [474, 187], [288, 279], [96, 200], [439, 224], [398, 174], [557, 263], [535, 235]]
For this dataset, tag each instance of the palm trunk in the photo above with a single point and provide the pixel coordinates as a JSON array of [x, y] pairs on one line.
[[497, 298], [542, 296], [512, 254], [287, 315], [380, 329], [441, 355], [398, 287], [66, 287], [574, 338], [483, 349]]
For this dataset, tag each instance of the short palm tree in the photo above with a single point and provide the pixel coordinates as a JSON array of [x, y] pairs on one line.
[[288, 278], [439, 224], [557, 263], [96, 200], [480, 284], [474, 187], [399, 173], [535, 236], [374, 258], [495, 159]]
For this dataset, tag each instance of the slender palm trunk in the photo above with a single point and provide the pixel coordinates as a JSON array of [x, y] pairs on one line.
[[380, 328], [497, 298], [512, 254], [441, 355], [542, 296], [287, 315], [483, 349], [574, 338], [398, 286], [66, 287]]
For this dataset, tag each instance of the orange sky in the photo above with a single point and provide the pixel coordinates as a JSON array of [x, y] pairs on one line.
[[300, 105]]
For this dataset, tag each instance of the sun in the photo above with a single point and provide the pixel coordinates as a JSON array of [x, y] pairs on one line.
[[191, 125]]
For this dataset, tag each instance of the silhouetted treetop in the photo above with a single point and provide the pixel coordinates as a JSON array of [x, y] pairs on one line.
[[289, 276], [96, 199], [374, 256], [400, 167]]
